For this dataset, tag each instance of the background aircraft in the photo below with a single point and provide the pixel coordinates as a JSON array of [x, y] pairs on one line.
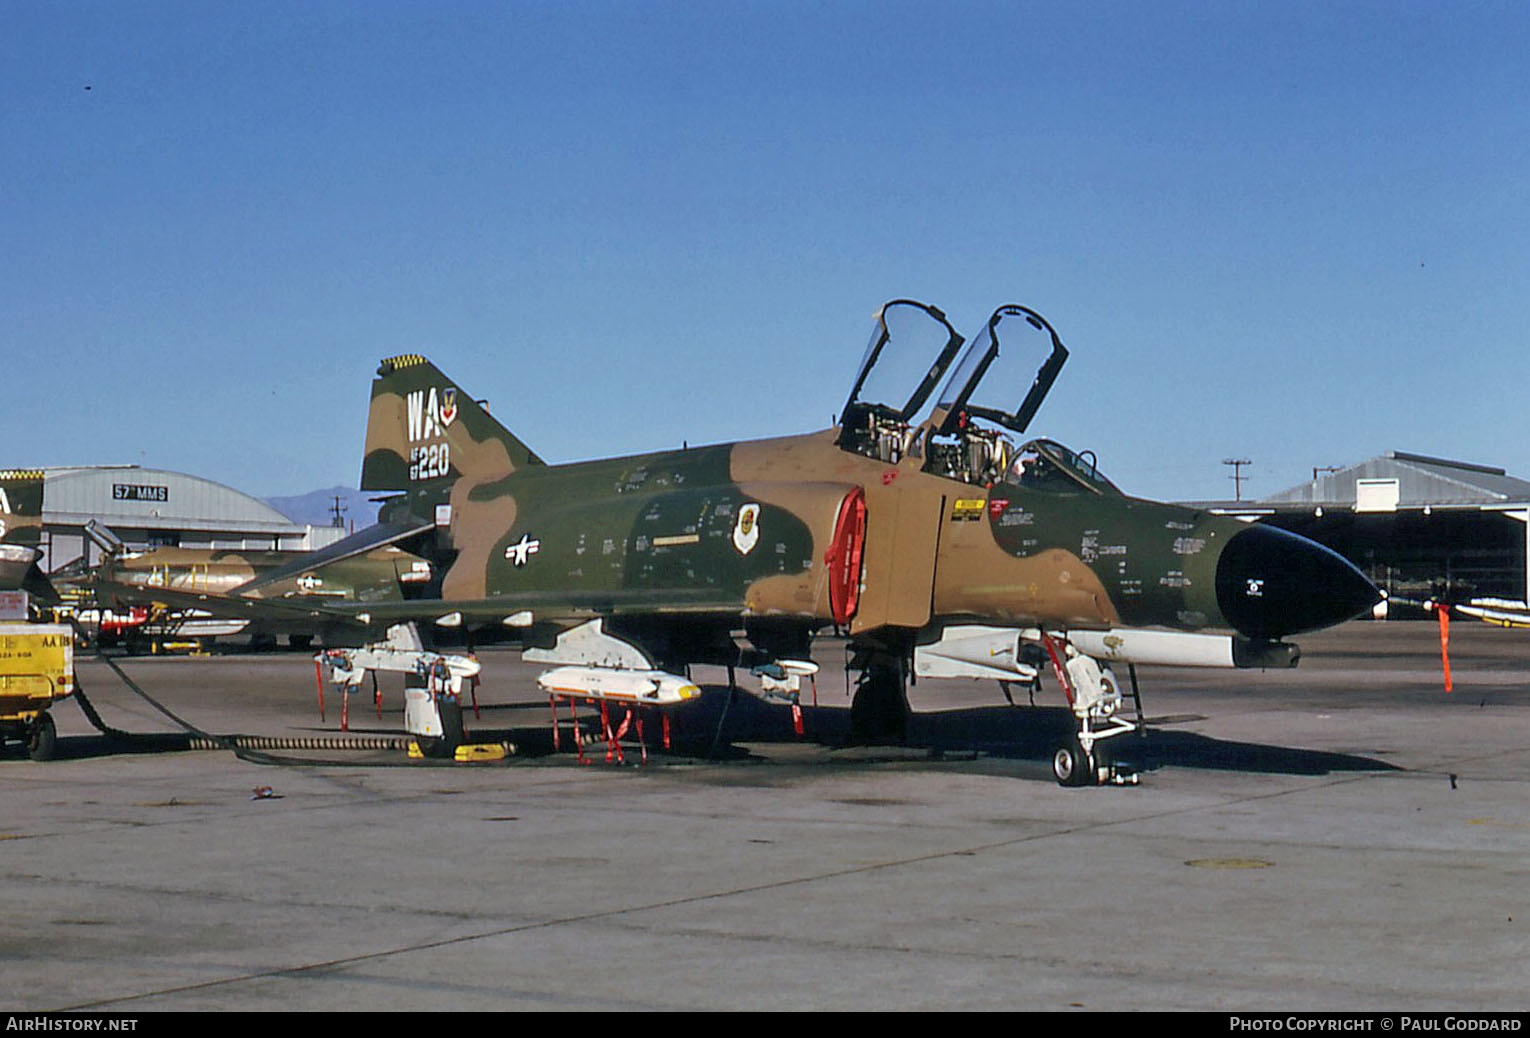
[[126, 579]]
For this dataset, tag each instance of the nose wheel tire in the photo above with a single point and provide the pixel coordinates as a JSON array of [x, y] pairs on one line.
[[1071, 766]]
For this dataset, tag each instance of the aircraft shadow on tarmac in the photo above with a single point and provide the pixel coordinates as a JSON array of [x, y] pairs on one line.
[[722, 728], [93, 747]]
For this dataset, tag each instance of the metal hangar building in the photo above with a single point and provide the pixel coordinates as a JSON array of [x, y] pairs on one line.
[[1419, 527], [153, 507]]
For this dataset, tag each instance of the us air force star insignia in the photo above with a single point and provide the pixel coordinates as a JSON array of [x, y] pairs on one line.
[[746, 530], [523, 550]]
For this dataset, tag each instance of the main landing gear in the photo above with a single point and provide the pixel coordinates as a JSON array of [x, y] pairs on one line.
[[879, 710]]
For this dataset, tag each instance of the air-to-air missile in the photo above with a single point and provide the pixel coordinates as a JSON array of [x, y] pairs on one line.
[[922, 532]]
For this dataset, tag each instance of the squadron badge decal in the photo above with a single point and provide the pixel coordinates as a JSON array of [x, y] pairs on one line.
[[746, 530]]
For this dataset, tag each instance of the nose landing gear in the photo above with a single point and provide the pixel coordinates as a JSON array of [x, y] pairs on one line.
[[1095, 699]]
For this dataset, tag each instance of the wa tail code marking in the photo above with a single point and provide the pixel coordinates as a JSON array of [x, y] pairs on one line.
[[428, 417]]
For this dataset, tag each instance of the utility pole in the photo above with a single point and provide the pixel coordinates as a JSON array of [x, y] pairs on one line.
[[1237, 476], [337, 511]]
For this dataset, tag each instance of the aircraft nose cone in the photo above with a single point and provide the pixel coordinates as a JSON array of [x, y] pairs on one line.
[[1271, 583]]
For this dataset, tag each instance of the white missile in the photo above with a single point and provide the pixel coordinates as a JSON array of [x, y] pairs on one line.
[[642, 687]]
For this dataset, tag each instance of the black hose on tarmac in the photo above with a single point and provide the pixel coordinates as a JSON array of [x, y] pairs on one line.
[[246, 747]]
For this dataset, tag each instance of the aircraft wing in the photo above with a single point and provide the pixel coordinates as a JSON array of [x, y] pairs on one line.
[[515, 610], [379, 535], [524, 608]]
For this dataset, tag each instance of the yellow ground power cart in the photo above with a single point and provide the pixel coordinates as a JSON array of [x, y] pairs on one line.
[[36, 670]]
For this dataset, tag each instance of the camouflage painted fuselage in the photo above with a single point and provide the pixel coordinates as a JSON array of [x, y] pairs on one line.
[[769, 531], [665, 529]]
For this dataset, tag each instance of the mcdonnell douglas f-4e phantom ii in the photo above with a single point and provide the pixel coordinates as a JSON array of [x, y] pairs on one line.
[[925, 534]]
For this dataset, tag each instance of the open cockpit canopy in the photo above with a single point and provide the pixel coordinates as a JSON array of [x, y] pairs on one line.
[[994, 368], [965, 435], [911, 347], [905, 338]]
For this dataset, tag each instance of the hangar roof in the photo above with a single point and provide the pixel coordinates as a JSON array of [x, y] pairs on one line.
[[135, 497], [1420, 480]]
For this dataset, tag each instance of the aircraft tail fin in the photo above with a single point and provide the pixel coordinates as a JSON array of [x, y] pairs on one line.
[[424, 433], [21, 494], [21, 500]]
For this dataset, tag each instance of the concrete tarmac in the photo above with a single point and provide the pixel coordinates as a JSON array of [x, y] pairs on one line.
[[1342, 836]]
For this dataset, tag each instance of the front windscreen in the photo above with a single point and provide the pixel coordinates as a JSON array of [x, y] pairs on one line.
[[1048, 465]]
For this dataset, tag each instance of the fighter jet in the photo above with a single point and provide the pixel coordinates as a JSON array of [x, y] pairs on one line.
[[155, 578], [924, 532]]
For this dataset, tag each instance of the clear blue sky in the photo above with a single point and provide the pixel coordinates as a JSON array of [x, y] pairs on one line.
[[1293, 232]]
